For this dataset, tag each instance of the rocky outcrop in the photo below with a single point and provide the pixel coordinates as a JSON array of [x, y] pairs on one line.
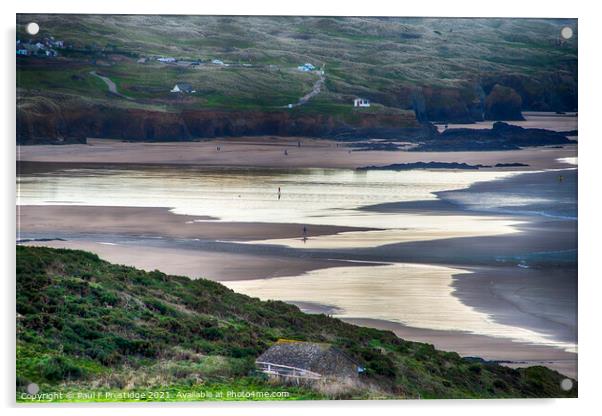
[[555, 92], [425, 165], [450, 105], [493, 97], [501, 137], [503, 103]]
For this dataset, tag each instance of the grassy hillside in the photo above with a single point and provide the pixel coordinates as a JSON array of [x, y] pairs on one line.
[[393, 61], [87, 325]]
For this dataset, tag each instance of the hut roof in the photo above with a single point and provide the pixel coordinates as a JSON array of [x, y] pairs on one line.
[[320, 358], [184, 86]]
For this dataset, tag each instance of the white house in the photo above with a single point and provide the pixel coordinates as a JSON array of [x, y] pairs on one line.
[[306, 67], [167, 60], [217, 62], [361, 102]]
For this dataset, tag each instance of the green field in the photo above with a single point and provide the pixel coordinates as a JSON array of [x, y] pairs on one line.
[[383, 59]]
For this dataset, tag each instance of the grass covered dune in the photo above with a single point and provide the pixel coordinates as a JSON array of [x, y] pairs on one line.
[[116, 333]]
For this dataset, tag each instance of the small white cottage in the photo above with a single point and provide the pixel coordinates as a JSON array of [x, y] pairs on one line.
[[307, 67], [361, 102]]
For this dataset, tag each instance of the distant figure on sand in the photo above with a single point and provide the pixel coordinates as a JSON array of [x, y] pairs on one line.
[[304, 233], [285, 152], [279, 193]]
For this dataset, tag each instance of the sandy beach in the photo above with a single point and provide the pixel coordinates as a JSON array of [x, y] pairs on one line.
[[268, 152], [211, 265], [156, 222], [532, 120], [491, 254]]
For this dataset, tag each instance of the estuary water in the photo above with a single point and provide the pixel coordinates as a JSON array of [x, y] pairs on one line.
[[418, 295]]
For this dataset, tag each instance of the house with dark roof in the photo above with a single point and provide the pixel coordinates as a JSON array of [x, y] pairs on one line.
[[307, 360], [183, 87]]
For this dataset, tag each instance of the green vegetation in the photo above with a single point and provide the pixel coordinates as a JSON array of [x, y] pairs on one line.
[[85, 325], [383, 59]]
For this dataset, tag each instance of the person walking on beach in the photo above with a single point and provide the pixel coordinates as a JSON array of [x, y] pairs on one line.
[[304, 234], [278, 193]]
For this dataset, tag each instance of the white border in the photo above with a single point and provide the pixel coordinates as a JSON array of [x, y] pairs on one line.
[[590, 354]]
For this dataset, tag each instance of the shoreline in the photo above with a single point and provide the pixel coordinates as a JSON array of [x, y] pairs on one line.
[[159, 222], [247, 263], [212, 265], [240, 268]]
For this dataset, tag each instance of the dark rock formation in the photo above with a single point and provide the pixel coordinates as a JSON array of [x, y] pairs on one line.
[[555, 92], [510, 165], [449, 104], [501, 137], [503, 103], [425, 165]]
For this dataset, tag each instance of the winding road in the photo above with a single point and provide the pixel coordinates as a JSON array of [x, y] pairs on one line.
[[314, 91], [110, 84]]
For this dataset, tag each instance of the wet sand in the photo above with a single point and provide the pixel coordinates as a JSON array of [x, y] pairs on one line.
[[533, 120], [268, 152], [526, 309], [486, 291], [539, 236], [160, 222], [497, 287], [408, 228], [218, 266], [543, 300]]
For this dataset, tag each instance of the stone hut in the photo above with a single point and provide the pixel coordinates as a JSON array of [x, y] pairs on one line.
[[307, 360]]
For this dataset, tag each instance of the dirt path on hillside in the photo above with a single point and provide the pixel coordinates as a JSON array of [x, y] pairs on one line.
[[110, 84], [314, 91]]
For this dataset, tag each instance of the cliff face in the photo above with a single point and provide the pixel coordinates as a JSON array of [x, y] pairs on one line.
[[56, 124], [503, 103], [493, 98]]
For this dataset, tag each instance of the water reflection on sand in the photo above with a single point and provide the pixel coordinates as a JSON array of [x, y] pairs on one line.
[[308, 197], [415, 295]]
